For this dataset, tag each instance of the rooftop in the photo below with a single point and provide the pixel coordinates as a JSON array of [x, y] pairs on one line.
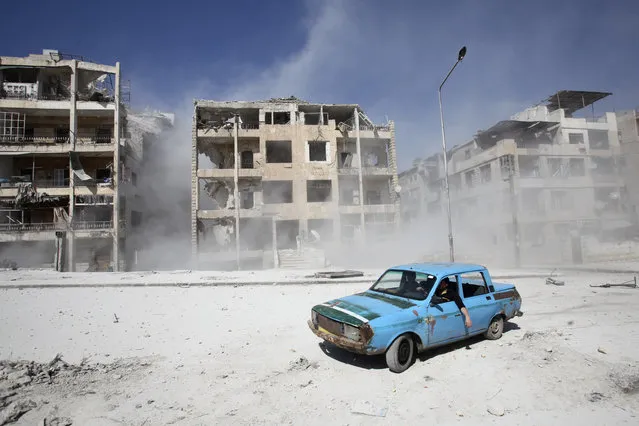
[[573, 100], [440, 269]]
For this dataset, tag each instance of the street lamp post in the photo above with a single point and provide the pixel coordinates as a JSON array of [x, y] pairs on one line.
[[462, 53]]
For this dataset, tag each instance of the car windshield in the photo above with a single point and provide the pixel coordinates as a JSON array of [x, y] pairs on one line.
[[409, 284]]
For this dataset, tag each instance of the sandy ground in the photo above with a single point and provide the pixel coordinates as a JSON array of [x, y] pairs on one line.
[[244, 355]]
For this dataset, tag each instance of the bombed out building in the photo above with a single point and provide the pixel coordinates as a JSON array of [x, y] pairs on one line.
[[532, 188], [307, 176], [67, 163]]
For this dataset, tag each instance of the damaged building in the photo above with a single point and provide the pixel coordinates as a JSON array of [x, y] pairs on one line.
[[67, 165], [289, 174], [532, 186]]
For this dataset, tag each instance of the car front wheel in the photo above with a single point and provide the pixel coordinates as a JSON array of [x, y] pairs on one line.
[[400, 354]]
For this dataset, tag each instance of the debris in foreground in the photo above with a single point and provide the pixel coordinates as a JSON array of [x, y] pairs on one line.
[[339, 274], [551, 281], [630, 284], [15, 410], [368, 409]]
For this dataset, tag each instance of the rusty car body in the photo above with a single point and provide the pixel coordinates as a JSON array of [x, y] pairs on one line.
[[392, 317]]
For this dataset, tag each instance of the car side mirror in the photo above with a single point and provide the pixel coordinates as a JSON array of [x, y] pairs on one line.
[[436, 300]]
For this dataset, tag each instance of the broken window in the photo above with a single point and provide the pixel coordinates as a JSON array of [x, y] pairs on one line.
[[598, 139], [560, 200], [506, 165], [469, 178], [373, 197], [247, 199], [62, 135], [603, 166], [103, 134], [485, 173], [136, 219], [345, 160], [280, 117], [577, 167], [247, 159], [555, 167], [576, 138], [277, 191], [529, 166], [134, 179], [279, 152], [318, 191], [473, 284], [103, 175], [317, 151]]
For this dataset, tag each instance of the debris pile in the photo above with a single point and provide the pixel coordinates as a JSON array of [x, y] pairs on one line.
[[18, 377]]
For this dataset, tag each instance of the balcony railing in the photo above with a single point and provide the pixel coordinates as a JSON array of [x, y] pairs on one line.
[[4, 139], [28, 91], [40, 227]]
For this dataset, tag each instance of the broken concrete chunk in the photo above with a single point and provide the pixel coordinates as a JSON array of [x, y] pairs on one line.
[[15, 410], [496, 410], [601, 350]]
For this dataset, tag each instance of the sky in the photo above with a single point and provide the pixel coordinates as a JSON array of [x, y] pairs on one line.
[[387, 56]]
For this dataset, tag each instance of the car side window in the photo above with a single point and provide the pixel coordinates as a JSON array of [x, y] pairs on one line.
[[473, 284], [451, 287], [391, 280]]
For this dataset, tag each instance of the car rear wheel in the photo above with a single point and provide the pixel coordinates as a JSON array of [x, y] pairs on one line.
[[400, 354], [495, 329]]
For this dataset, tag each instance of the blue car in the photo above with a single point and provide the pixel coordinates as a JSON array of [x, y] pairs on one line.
[[415, 307]]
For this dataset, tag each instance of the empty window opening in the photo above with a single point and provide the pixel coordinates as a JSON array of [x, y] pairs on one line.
[[373, 197], [103, 175], [560, 200], [286, 232], [314, 118], [318, 191], [555, 167], [576, 138], [345, 160], [598, 139], [20, 75], [136, 218], [469, 178], [278, 191], [281, 117], [134, 179], [103, 134], [506, 165], [603, 166], [62, 135], [317, 151], [247, 199], [577, 167], [247, 159], [279, 152], [485, 173], [529, 166]]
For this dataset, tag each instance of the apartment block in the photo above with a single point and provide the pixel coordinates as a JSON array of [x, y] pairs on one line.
[[305, 172], [528, 185], [66, 165], [628, 123]]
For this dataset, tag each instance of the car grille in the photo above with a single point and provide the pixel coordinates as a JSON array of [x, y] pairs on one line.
[[329, 325]]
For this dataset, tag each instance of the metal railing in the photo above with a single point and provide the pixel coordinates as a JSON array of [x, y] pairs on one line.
[[40, 227], [33, 139]]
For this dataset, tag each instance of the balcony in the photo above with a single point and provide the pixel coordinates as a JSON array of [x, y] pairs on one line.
[[246, 130], [366, 171], [369, 208], [230, 173], [46, 231], [220, 213]]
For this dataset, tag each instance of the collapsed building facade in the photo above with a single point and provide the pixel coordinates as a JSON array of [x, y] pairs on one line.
[[67, 163], [307, 175], [531, 187]]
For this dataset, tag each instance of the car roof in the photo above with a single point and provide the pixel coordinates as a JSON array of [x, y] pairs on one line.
[[439, 269]]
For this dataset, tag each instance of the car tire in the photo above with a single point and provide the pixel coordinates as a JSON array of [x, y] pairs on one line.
[[401, 353], [495, 329]]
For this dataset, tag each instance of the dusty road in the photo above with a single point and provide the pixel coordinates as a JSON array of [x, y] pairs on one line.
[[244, 355]]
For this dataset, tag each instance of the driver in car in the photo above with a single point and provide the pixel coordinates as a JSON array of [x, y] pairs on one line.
[[450, 294]]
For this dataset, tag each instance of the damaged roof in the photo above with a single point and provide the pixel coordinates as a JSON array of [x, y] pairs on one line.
[[574, 100], [511, 129]]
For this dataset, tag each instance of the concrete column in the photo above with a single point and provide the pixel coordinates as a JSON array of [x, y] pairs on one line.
[[274, 236], [392, 151], [73, 131], [359, 176], [195, 189], [116, 174]]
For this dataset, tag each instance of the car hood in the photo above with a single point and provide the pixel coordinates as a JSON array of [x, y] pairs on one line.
[[361, 308]]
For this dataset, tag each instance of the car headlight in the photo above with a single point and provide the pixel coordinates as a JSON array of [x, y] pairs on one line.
[[351, 332], [314, 317]]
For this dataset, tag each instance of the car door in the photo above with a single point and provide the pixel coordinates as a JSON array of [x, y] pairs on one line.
[[478, 299], [445, 321]]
